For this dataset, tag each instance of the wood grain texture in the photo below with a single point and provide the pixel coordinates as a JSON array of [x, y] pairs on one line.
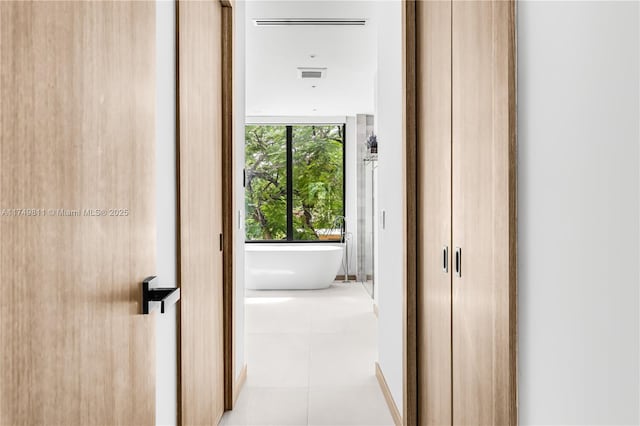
[[410, 300], [384, 387], [200, 202], [484, 315], [434, 207], [239, 383], [77, 131], [228, 228], [513, 216]]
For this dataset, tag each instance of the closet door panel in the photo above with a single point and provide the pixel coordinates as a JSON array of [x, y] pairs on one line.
[[484, 213], [433, 63], [200, 194]]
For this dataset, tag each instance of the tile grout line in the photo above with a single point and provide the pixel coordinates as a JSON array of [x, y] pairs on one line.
[[309, 366], [318, 316]]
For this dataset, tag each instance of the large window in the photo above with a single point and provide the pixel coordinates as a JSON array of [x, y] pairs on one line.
[[294, 188]]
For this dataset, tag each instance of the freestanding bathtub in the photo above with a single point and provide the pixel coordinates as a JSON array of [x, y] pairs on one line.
[[291, 266]]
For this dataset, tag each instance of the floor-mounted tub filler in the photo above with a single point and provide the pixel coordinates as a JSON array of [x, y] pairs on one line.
[[291, 266]]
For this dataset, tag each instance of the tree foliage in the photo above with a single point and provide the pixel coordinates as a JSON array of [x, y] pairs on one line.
[[266, 182], [318, 177]]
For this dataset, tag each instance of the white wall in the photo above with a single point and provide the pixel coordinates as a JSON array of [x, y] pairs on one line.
[[390, 259], [578, 143], [166, 328], [238, 140]]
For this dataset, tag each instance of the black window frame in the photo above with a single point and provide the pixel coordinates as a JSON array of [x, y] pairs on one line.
[[289, 169]]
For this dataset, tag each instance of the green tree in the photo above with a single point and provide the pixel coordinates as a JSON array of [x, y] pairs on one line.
[[318, 178], [266, 182]]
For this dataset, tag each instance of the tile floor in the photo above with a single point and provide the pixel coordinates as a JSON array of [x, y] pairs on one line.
[[310, 358]]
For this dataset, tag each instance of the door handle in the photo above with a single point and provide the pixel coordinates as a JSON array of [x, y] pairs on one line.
[[458, 262], [166, 296], [445, 259]]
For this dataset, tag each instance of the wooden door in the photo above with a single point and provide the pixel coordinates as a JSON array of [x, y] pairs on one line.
[[200, 203], [433, 102], [77, 140], [484, 299]]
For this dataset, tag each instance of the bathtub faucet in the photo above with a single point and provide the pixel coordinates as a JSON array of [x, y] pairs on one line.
[[340, 221]]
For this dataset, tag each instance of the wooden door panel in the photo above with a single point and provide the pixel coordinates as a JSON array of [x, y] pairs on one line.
[[200, 189], [433, 59], [484, 213], [77, 131]]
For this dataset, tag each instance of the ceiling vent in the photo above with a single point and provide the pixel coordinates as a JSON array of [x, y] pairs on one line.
[[313, 73], [276, 22]]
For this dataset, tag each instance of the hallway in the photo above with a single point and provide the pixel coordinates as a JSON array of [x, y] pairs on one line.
[[311, 360]]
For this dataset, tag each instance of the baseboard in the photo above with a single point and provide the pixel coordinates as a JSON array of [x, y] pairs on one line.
[[341, 277], [237, 387], [375, 309], [397, 418]]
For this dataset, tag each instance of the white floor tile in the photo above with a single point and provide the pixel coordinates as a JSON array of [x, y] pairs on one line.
[[310, 360], [269, 406], [278, 360], [342, 359], [348, 315], [342, 406], [281, 314]]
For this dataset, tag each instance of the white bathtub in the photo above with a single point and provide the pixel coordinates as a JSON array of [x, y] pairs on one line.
[[291, 266]]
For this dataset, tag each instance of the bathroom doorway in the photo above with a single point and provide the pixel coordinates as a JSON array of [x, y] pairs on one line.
[[321, 326]]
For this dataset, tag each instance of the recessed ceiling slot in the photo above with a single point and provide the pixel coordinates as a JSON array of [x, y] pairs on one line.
[[271, 22]]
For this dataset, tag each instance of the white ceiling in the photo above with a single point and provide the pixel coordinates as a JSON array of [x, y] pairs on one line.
[[273, 55]]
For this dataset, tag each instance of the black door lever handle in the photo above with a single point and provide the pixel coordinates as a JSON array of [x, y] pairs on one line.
[[166, 296]]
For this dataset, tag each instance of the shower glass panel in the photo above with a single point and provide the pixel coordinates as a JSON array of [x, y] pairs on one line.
[[367, 203], [369, 224]]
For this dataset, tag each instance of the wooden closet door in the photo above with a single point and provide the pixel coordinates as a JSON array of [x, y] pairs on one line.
[[433, 62], [484, 299], [77, 147], [200, 203]]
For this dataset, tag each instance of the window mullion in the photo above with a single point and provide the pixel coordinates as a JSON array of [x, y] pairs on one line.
[[289, 183]]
